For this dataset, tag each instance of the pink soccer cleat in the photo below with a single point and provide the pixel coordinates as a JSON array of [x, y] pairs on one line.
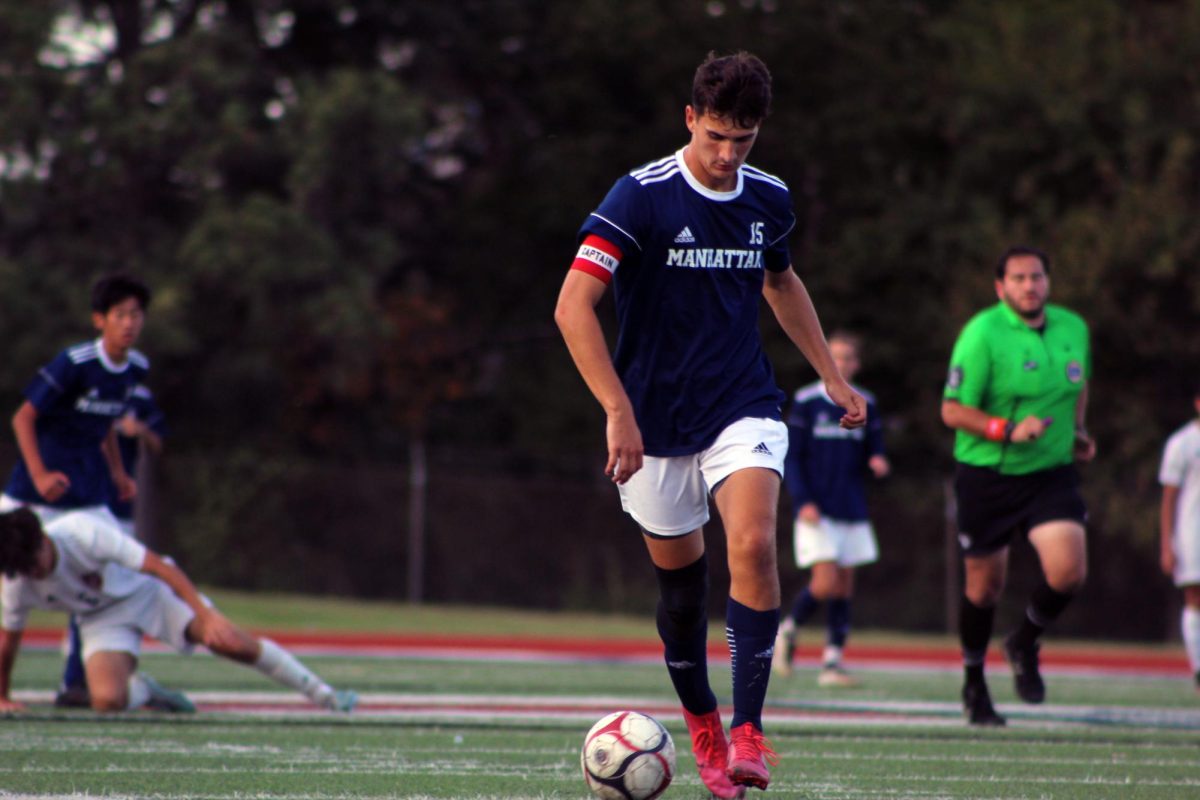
[[749, 754], [711, 750]]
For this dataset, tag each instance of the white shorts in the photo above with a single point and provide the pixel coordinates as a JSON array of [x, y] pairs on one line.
[[1187, 558], [48, 514], [152, 610], [668, 496], [848, 544]]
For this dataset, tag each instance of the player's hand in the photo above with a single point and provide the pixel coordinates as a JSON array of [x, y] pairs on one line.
[[218, 633], [879, 465], [10, 706], [130, 426], [52, 485], [1084, 447], [1031, 428], [810, 513], [625, 450], [851, 402], [126, 487]]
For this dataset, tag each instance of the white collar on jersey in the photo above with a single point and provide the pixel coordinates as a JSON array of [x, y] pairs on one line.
[[722, 197], [108, 363]]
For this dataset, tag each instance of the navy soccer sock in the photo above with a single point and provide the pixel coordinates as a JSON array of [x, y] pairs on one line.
[[974, 631], [803, 606], [683, 627], [751, 636], [73, 674], [837, 622]]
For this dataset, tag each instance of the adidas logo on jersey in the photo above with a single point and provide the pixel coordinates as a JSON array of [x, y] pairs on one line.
[[762, 450], [685, 236]]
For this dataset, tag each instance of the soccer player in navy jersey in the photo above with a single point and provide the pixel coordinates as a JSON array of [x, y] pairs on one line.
[[826, 467], [64, 428], [690, 244]]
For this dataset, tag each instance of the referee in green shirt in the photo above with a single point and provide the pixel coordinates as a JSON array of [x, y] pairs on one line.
[[1016, 396]]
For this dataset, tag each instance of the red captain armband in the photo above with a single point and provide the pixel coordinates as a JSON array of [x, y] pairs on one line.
[[998, 429], [597, 257]]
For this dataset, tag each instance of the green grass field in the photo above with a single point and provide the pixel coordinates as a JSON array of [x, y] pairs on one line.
[[1103, 737]]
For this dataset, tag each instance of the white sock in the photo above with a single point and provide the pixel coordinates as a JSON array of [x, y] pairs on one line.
[[1191, 636], [832, 656], [281, 666], [138, 692]]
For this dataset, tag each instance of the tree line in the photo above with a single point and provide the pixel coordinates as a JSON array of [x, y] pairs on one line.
[[355, 217]]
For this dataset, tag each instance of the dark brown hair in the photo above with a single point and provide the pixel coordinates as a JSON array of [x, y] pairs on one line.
[[1020, 250], [735, 87], [20, 539]]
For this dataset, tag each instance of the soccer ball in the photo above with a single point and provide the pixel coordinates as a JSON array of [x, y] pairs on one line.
[[628, 756]]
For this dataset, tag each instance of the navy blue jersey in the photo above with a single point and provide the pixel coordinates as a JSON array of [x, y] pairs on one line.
[[78, 396], [688, 290], [826, 464], [142, 406]]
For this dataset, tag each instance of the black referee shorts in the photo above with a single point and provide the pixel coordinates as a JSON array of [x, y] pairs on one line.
[[993, 507]]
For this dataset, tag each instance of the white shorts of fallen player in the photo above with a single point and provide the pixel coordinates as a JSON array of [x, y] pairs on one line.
[[668, 496], [153, 609], [847, 544]]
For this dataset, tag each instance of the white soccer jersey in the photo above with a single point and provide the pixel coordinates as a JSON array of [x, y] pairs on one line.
[[97, 565], [1181, 468]]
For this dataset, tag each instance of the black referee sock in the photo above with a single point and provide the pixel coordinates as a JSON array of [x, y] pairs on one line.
[[1045, 606], [974, 632]]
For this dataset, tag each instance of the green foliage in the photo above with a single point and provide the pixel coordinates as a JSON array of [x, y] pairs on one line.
[[356, 216]]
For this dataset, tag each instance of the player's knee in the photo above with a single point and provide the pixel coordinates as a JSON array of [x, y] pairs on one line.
[[1069, 580], [683, 598], [109, 699], [985, 594], [751, 552]]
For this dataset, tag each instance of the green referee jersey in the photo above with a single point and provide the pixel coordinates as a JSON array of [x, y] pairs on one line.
[[1002, 366]]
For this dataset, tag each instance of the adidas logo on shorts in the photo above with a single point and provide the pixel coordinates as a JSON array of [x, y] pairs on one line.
[[762, 450]]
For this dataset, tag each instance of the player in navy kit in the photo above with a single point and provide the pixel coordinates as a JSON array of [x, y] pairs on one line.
[[826, 466], [64, 428], [691, 243]]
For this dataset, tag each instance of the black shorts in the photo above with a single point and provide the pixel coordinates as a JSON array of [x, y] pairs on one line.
[[993, 507]]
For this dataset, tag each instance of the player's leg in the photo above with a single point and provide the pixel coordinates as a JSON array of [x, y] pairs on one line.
[[73, 687], [111, 643], [747, 500], [984, 576], [268, 658], [1190, 625], [814, 549], [1062, 550], [837, 629], [108, 674]]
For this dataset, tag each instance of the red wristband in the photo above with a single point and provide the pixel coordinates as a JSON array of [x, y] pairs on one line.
[[996, 429]]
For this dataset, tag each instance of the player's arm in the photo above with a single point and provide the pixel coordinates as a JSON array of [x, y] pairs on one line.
[[51, 484], [216, 630], [10, 643], [576, 317], [1166, 527], [126, 486], [967, 418], [1085, 445], [792, 306]]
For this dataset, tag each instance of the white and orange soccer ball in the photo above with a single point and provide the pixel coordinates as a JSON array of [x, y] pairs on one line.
[[628, 756]]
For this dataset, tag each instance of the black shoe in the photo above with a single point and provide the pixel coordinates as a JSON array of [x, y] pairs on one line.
[[977, 706], [73, 697], [1027, 677]]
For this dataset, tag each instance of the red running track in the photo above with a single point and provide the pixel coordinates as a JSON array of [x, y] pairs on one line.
[[1065, 657]]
